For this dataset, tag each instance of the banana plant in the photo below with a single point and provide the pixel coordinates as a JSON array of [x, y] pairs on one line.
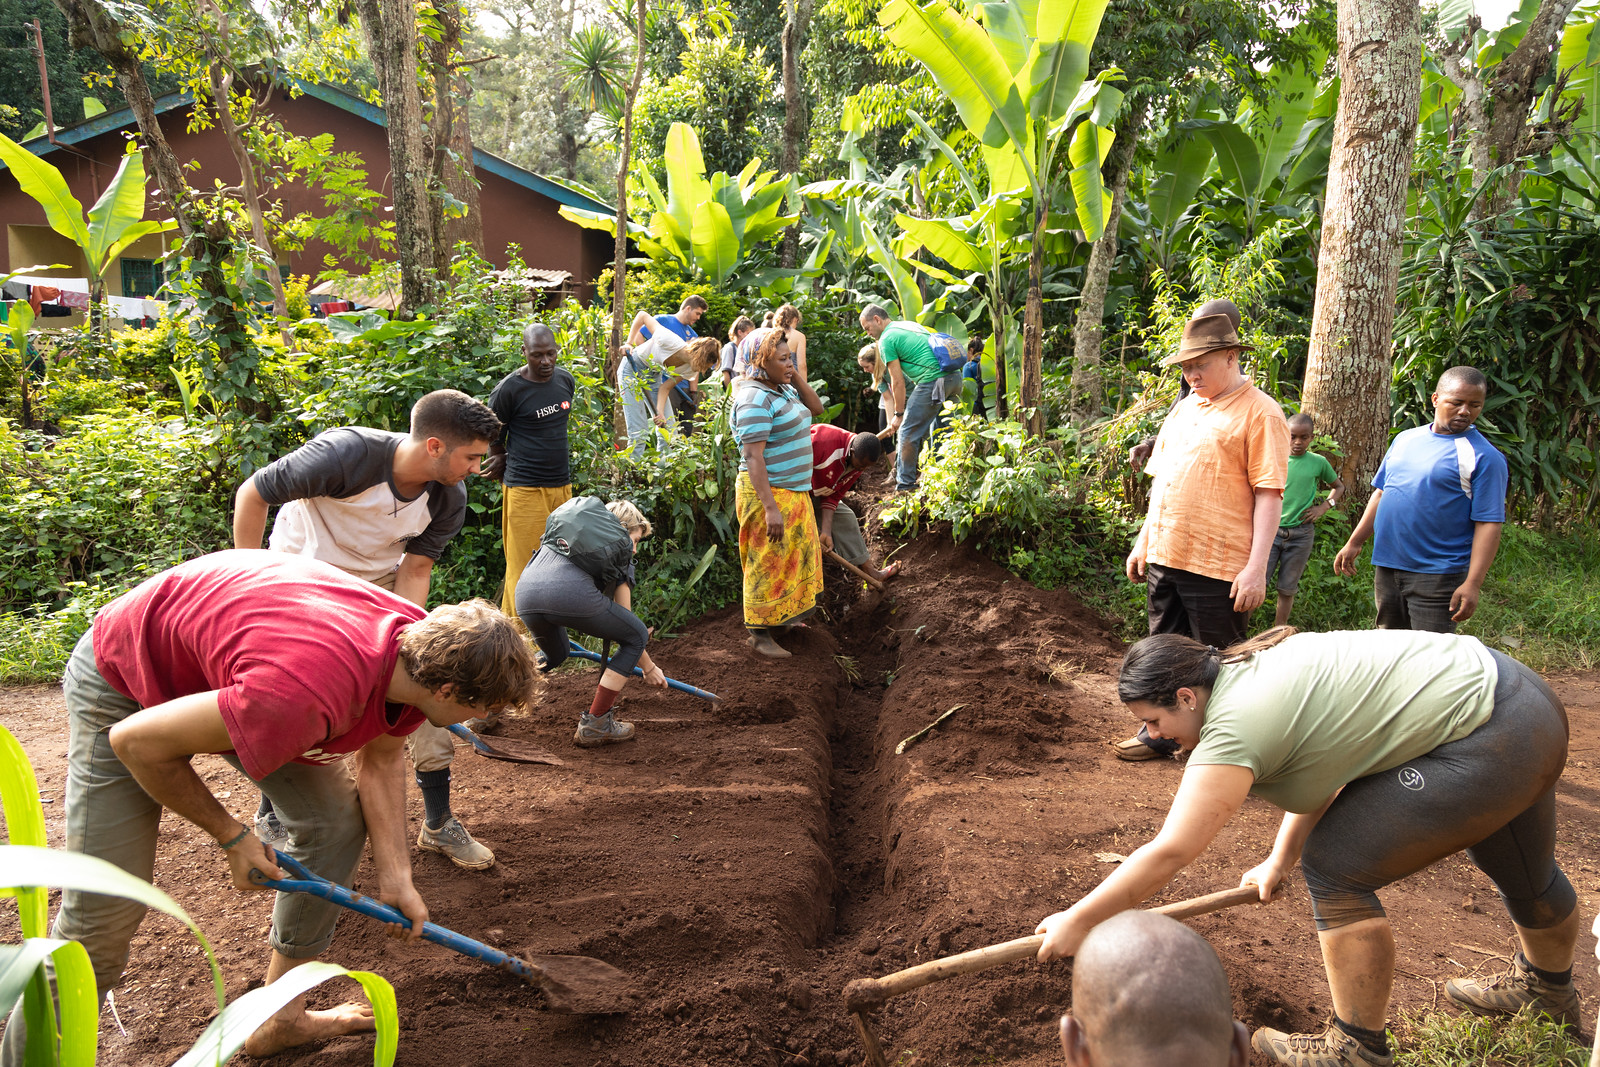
[[1016, 72], [114, 223], [709, 227]]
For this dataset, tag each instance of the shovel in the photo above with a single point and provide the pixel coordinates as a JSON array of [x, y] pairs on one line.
[[575, 985], [583, 653], [504, 748], [865, 994]]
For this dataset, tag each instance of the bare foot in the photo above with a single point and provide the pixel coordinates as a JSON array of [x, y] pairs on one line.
[[279, 1032], [888, 572], [764, 644]]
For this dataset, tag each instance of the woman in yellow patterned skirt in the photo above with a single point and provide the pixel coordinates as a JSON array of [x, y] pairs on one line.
[[778, 544]]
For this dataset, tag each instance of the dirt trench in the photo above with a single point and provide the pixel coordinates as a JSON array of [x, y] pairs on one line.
[[744, 861]]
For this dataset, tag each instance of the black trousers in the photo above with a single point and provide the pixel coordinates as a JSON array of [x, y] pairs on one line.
[[1182, 602]]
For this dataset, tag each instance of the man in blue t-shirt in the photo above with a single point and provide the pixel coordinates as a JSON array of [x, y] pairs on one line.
[[1437, 509]]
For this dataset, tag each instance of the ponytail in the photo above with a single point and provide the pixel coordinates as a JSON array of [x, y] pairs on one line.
[[1157, 667]]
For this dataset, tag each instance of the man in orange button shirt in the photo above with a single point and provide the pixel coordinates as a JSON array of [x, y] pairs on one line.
[[1220, 465]]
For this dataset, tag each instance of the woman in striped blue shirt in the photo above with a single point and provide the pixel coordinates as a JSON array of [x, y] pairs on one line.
[[778, 544]]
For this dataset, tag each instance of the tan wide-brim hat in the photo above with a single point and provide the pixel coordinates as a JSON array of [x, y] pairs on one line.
[[1206, 334]]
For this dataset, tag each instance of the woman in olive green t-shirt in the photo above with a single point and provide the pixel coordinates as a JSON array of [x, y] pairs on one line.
[[1388, 750]]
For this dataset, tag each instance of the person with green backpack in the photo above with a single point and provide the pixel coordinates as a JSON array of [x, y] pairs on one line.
[[582, 579]]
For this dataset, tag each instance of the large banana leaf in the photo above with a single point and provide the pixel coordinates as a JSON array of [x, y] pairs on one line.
[[119, 207], [716, 246], [905, 284], [79, 1026], [1277, 131], [1090, 143], [1066, 32], [1180, 169], [962, 249], [1012, 37], [949, 154], [1580, 52], [686, 182], [44, 183], [131, 235], [19, 788], [1237, 155], [966, 66]]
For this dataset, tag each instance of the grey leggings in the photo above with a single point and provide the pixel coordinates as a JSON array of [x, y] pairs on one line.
[[1491, 793], [554, 594]]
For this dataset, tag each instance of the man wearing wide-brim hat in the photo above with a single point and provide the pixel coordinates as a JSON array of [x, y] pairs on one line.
[[1220, 465]]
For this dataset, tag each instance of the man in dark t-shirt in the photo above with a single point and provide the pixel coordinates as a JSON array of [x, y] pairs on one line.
[[531, 455], [381, 506]]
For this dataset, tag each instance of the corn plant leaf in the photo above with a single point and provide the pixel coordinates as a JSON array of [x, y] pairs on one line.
[[45, 184], [75, 988], [19, 788], [25, 865], [229, 1030]]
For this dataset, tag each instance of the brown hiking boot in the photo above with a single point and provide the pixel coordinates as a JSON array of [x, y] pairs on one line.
[[1331, 1048], [1515, 988]]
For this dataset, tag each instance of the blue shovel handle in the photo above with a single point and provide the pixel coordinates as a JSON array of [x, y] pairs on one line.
[[304, 881], [578, 650]]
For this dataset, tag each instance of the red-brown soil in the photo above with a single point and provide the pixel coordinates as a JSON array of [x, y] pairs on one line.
[[744, 861]]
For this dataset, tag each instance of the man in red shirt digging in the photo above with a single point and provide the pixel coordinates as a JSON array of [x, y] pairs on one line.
[[284, 666], [837, 459]]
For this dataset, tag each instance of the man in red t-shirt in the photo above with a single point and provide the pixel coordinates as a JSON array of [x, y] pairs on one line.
[[283, 665], [837, 459]]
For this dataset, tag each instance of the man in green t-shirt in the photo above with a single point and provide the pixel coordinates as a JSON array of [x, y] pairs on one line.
[[1309, 474], [918, 385]]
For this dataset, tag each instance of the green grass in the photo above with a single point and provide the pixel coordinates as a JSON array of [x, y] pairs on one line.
[[1436, 1039]]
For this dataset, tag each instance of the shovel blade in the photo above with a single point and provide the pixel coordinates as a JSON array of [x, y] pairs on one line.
[[514, 751], [581, 985]]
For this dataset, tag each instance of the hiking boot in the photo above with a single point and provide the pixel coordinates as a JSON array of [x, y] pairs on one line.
[[1515, 988], [605, 730], [1331, 1048], [271, 831], [452, 840]]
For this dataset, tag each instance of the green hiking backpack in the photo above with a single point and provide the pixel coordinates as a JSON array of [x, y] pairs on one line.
[[585, 531]]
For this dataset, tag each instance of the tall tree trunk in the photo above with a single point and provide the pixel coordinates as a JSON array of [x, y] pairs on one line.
[[207, 241], [391, 29], [1347, 372], [1088, 330], [1032, 384], [797, 18], [619, 271], [453, 171], [1495, 113]]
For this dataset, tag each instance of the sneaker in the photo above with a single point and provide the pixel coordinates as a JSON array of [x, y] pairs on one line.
[[605, 730], [1135, 751], [1515, 988], [1331, 1048], [452, 840], [271, 831]]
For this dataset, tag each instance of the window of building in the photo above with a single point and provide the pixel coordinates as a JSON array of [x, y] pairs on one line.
[[141, 277]]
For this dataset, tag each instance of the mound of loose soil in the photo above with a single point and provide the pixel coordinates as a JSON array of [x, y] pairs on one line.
[[743, 861]]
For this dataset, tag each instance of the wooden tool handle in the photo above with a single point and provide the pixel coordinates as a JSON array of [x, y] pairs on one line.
[[853, 569], [863, 994]]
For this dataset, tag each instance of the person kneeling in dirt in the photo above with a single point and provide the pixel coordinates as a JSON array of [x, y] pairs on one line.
[[837, 459], [284, 666], [582, 578], [1388, 750], [1147, 991]]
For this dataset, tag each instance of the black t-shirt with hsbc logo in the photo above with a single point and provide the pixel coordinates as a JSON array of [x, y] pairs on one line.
[[535, 415]]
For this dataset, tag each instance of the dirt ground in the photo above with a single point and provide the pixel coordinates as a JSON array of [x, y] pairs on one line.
[[744, 861]]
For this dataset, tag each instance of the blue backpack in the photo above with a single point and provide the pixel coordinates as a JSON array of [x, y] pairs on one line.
[[951, 353]]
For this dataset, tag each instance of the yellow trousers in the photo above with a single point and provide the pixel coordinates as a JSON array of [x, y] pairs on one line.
[[523, 512]]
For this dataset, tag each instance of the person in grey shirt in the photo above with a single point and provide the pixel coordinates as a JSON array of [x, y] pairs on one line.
[[381, 506]]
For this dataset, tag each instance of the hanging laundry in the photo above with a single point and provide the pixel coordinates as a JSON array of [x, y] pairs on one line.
[[55, 311], [39, 294], [74, 300], [151, 309]]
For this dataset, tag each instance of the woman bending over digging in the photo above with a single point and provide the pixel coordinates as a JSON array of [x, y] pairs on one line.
[[778, 542], [582, 578], [1388, 750]]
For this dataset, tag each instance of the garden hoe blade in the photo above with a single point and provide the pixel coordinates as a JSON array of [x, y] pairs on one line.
[[580, 985]]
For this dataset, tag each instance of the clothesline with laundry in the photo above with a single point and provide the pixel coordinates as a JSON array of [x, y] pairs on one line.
[[73, 294]]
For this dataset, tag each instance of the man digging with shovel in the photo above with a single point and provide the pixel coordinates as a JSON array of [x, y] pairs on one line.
[[285, 666]]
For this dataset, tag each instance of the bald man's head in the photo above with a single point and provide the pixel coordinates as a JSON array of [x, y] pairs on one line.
[[1148, 991], [539, 348]]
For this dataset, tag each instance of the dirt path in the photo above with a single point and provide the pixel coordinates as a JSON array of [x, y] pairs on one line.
[[744, 861]]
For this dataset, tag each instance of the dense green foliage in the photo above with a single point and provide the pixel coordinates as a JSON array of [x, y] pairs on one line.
[[1436, 1039]]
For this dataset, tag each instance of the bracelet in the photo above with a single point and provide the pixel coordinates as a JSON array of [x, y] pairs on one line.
[[244, 832], [902, 411]]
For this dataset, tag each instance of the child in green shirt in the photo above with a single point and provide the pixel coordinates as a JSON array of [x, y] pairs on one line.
[[1309, 473]]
